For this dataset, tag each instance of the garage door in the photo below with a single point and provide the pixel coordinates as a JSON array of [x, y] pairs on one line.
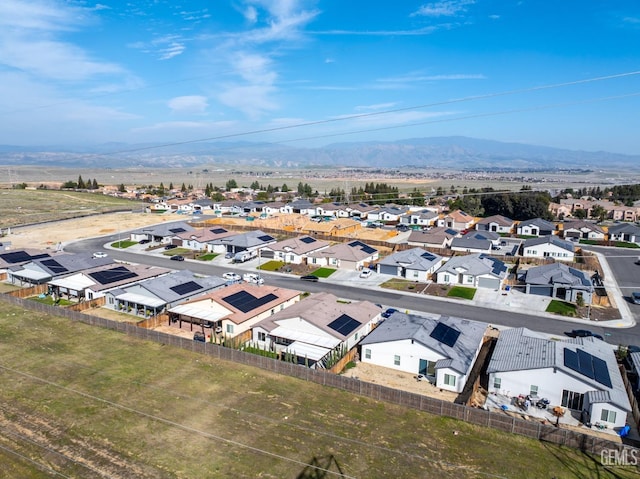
[[541, 290], [387, 269], [488, 283], [267, 254]]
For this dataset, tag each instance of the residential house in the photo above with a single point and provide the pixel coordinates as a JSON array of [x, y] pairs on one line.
[[233, 310], [496, 224], [414, 264], [548, 247], [579, 229], [457, 220], [559, 210], [301, 207], [633, 360], [338, 227], [354, 256], [249, 241], [43, 270], [316, 330], [475, 271], [360, 211], [154, 296], [557, 280], [535, 227], [164, 233], [439, 238], [424, 217], [443, 350], [627, 232], [579, 374], [387, 214], [202, 239], [16, 257], [293, 250], [95, 282], [476, 242]]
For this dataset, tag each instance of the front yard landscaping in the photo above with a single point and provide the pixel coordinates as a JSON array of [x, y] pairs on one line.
[[561, 308], [272, 266], [123, 244], [461, 292], [323, 272]]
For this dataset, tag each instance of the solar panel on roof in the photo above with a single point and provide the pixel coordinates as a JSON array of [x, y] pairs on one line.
[[265, 238], [427, 256], [344, 324], [186, 288], [16, 257], [217, 231], [363, 247], [54, 266], [445, 334], [308, 240], [245, 301], [177, 230], [119, 273], [588, 365]]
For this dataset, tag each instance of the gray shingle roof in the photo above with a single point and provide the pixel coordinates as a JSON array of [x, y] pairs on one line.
[[540, 223], [554, 240], [401, 326], [475, 265], [557, 273], [416, 259]]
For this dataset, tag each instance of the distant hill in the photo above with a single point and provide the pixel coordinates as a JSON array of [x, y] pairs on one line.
[[457, 152]]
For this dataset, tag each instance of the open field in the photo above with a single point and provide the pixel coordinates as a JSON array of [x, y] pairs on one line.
[[87, 402]]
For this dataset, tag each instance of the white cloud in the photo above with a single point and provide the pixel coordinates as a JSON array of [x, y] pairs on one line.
[[191, 104], [494, 17], [377, 107], [251, 14], [445, 8], [252, 100]]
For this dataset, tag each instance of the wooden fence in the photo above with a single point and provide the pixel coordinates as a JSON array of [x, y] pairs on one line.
[[497, 420]]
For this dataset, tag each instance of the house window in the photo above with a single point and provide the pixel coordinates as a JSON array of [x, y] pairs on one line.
[[608, 416], [396, 360], [469, 279], [533, 391], [445, 278], [262, 336], [230, 328], [450, 380], [367, 354], [415, 274], [356, 337], [497, 383]]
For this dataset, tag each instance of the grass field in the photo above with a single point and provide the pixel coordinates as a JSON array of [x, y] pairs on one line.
[[561, 308], [461, 292], [89, 403], [21, 207]]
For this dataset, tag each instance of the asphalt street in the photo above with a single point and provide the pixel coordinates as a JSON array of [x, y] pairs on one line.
[[620, 261]]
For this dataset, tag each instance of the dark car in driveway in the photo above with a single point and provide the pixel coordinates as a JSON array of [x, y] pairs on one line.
[[309, 277], [171, 246], [583, 333]]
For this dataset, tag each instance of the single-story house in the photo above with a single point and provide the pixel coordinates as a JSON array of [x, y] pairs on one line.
[[414, 264], [388, 213], [444, 350], [580, 374], [535, 227], [425, 217], [43, 270], [249, 241], [474, 270], [579, 229], [476, 242], [628, 232], [293, 250], [354, 255], [317, 330], [360, 210], [153, 296], [161, 233], [17, 257], [548, 247], [633, 360], [95, 282], [439, 238], [496, 224], [557, 280], [233, 310], [199, 239], [301, 207], [457, 220]]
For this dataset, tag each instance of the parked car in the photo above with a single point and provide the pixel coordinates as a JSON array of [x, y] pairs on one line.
[[199, 336], [638, 260], [309, 277], [229, 255], [232, 276], [177, 257], [253, 278], [583, 333], [144, 241], [170, 246], [635, 297], [389, 312], [366, 273], [402, 227], [100, 254]]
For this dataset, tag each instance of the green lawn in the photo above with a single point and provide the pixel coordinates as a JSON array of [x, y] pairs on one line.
[[400, 284], [207, 256], [174, 251], [461, 292], [86, 402], [49, 300], [561, 308], [272, 265], [323, 272], [123, 244]]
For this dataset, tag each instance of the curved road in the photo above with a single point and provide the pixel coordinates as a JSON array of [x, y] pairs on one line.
[[621, 263]]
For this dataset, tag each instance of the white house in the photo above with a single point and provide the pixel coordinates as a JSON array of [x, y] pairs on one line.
[[628, 232], [444, 350], [293, 250], [474, 271], [580, 374], [424, 217], [476, 242], [458, 220], [548, 247], [439, 238], [535, 227], [316, 329], [414, 264], [354, 255], [496, 224], [582, 230]]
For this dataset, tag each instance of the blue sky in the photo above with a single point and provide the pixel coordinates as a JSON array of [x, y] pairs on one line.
[[78, 73]]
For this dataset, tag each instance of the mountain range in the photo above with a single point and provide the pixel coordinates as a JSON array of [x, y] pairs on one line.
[[454, 152]]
